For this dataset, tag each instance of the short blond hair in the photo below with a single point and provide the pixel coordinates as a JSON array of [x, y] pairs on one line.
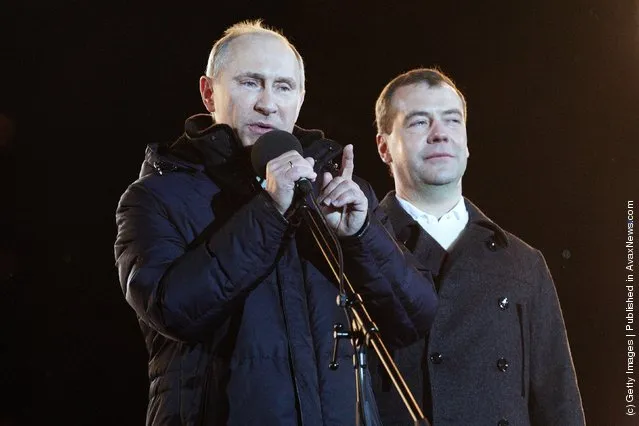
[[219, 51]]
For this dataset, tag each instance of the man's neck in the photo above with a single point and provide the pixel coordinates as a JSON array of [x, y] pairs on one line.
[[434, 200]]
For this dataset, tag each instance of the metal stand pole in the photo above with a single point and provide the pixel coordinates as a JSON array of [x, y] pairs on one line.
[[363, 331]]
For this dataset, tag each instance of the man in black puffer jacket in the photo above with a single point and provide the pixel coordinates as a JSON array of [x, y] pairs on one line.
[[236, 303]]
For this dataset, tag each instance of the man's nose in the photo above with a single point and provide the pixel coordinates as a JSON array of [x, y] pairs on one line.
[[266, 102], [438, 132]]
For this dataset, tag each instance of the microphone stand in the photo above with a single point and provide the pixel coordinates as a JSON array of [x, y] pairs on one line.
[[363, 331]]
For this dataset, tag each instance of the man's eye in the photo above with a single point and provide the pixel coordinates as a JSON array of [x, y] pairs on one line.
[[284, 88], [249, 83], [418, 123]]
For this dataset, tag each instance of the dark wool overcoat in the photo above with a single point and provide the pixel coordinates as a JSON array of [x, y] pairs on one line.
[[497, 353]]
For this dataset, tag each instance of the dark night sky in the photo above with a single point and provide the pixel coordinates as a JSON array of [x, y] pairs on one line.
[[552, 88]]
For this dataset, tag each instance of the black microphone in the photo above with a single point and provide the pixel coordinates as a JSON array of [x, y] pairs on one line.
[[271, 145]]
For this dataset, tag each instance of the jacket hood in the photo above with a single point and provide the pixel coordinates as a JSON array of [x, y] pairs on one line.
[[207, 145]]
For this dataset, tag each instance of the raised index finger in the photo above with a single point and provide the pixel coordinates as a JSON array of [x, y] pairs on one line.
[[348, 162]]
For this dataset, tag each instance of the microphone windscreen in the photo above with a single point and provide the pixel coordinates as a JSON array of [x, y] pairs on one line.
[[271, 145]]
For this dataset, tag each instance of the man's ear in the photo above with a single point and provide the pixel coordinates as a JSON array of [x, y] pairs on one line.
[[382, 148], [206, 93]]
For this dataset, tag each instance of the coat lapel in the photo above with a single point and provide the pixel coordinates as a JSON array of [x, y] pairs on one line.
[[426, 250], [480, 229]]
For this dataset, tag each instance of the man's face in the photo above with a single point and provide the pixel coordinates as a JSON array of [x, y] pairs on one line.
[[258, 87], [427, 144]]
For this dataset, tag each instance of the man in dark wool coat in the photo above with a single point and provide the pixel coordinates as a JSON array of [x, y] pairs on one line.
[[497, 353], [235, 302]]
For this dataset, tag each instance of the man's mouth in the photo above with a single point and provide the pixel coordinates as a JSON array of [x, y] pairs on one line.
[[438, 155], [260, 128]]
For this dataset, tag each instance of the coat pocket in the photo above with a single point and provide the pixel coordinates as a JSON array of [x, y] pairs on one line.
[[524, 327]]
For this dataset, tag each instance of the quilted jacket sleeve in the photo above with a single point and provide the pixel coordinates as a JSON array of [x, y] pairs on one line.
[[400, 298], [184, 291]]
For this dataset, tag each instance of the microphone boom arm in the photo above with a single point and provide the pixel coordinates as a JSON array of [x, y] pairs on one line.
[[363, 332]]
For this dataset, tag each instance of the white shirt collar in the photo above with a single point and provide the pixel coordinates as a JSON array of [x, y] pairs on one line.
[[458, 212], [445, 230]]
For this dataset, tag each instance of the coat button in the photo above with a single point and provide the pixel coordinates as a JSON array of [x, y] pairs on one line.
[[502, 364], [503, 303], [492, 245], [436, 358], [503, 422]]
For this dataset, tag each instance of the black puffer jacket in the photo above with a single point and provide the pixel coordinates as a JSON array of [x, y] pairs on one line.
[[234, 303]]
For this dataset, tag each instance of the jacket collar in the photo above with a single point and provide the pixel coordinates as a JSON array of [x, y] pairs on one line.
[[206, 145], [202, 125], [200, 129], [400, 220]]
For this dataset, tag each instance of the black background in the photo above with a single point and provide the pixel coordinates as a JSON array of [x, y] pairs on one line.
[[552, 89]]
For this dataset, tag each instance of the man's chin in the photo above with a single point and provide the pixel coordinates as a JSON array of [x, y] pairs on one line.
[[248, 139], [442, 180]]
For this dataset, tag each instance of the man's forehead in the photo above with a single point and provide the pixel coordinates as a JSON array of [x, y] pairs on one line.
[[259, 41], [423, 96], [262, 53]]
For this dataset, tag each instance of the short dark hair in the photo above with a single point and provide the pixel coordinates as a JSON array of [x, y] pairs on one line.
[[384, 114]]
